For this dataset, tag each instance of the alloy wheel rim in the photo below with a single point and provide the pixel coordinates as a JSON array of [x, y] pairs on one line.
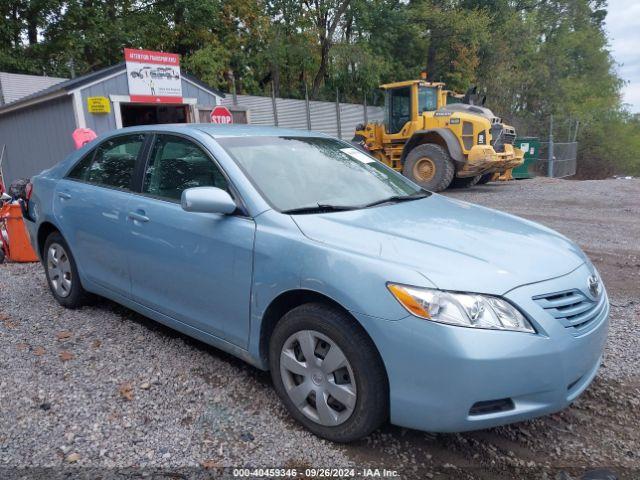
[[424, 169], [318, 378], [59, 268]]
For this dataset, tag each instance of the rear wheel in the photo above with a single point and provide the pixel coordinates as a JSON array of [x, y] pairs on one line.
[[327, 373], [465, 182], [430, 166], [62, 273], [486, 178], [359, 142]]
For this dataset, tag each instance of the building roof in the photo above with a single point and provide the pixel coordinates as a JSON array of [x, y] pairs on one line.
[[68, 86], [14, 86]]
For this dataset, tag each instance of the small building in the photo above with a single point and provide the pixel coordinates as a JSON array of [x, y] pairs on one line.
[[36, 129]]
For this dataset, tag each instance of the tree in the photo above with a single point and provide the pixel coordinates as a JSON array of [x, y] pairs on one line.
[[326, 16], [531, 58]]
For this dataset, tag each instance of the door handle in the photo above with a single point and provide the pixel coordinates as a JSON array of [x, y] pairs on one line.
[[64, 195], [138, 217]]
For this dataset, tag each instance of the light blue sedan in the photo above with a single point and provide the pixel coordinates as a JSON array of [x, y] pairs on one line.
[[366, 297]]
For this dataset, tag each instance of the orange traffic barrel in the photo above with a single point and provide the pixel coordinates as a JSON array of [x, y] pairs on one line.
[[20, 249]]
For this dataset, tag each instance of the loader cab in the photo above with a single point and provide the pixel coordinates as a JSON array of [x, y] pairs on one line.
[[397, 108], [427, 99], [406, 101]]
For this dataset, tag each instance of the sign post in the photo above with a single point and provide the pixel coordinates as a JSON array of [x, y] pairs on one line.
[[222, 115], [153, 77]]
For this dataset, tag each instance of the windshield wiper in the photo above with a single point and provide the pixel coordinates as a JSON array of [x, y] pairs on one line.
[[319, 208], [398, 198]]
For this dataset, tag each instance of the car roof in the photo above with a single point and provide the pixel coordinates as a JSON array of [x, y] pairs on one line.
[[221, 131]]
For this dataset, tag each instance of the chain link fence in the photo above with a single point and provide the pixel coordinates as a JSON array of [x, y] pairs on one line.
[[563, 160]]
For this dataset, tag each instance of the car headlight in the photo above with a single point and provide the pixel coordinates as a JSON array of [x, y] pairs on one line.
[[461, 309]]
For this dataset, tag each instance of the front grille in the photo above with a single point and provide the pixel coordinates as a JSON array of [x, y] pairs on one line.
[[572, 308], [467, 135]]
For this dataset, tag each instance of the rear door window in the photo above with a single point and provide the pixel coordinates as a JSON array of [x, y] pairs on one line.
[[112, 163], [176, 164]]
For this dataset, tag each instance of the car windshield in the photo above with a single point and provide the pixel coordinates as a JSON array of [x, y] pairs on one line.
[[308, 174]]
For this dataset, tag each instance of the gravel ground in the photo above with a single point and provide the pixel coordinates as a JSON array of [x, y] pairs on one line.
[[106, 388]]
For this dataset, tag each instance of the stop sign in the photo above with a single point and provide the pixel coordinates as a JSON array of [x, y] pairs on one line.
[[221, 114]]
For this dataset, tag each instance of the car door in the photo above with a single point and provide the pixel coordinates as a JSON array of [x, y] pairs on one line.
[[193, 267], [90, 205]]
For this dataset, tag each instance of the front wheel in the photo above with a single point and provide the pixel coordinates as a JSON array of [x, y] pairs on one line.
[[328, 374], [430, 166]]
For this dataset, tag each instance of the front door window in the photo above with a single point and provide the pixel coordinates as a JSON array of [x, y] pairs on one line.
[[177, 164]]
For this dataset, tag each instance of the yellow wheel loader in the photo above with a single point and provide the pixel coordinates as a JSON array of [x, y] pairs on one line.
[[438, 138]]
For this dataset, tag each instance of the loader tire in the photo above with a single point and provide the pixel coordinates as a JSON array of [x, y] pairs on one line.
[[486, 178], [465, 182], [359, 142], [430, 166]]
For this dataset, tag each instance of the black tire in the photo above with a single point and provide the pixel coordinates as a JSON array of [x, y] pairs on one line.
[[359, 142], [438, 161], [465, 182], [77, 296], [371, 384], [486, 178], [2, 255]]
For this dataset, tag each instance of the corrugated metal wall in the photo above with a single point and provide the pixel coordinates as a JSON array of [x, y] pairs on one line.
[[293, 114], [36, 137]]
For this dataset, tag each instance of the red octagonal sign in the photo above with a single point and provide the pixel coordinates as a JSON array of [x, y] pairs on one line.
[[221, 114]]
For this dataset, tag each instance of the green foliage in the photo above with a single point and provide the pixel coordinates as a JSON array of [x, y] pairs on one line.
[[210, 64], [532, 59]]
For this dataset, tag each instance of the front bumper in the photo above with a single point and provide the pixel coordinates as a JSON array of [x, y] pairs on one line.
[[484, 159], [438, 373]]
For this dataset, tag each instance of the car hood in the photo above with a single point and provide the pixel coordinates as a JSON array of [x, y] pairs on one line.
[[454, 244]]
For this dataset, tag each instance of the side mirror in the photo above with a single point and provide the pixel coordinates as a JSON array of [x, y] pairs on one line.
[[207, 200]]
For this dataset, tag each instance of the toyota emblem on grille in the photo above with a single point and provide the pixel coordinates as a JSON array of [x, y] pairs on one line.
[[595, 287]]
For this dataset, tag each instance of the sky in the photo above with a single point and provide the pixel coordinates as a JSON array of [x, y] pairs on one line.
[[623, 26]]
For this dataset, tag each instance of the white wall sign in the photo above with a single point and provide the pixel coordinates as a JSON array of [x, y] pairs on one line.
[[154, 77]]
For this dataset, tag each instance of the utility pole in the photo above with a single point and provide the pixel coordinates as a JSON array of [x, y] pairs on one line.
[[338, 114], [550, 152], [275, 107], [366, 113], [307, 105]]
